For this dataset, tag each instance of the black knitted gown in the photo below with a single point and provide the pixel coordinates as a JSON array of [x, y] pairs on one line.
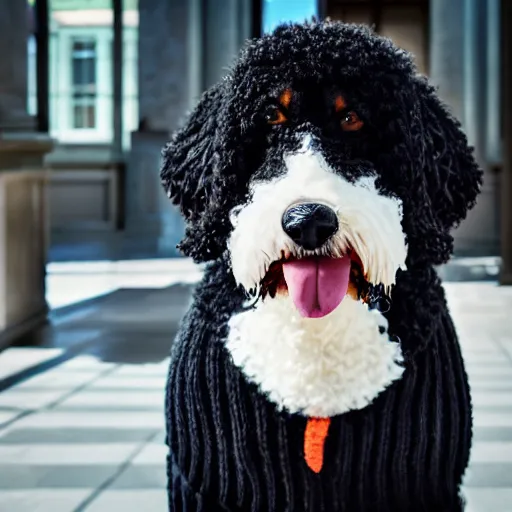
[[230, 450]]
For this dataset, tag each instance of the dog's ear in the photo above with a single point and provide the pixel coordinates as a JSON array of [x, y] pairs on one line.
[[187, 161], [187, 173], [453, 177]]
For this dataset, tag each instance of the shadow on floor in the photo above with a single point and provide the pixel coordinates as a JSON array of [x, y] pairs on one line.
[[128, 326]]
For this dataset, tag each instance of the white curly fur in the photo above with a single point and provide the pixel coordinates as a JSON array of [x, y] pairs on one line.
[[318, 367], [369, 222]]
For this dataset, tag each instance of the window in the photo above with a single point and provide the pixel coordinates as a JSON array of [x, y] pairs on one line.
[[279, 11], [83, 83]]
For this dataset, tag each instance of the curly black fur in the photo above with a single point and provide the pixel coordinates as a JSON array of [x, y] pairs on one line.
[[230, 449], [412, 141]]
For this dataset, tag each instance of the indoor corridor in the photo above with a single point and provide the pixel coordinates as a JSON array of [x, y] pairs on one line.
[[81, 416]]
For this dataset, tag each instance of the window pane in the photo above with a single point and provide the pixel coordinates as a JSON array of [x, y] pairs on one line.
[[278, 11], [84, 116], [81, 80], [84, 65], [78, 118], [90, 116]]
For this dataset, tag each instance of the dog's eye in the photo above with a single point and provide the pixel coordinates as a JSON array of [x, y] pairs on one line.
[[275, 116], [351, 122]]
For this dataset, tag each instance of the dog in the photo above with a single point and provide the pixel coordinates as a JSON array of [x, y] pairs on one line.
[[318, 368]]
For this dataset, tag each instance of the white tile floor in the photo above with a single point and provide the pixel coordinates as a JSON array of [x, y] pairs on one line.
[[70, 282], [23, 357], [490, 499], [125, 500], [89, 434], [44, 500]]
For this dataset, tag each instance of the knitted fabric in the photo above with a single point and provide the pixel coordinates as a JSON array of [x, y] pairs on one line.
[[231, 450]]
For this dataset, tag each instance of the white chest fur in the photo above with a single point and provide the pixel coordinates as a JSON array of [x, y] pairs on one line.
[[317, 367]]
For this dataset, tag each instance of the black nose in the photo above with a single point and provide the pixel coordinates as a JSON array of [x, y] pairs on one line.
[[310, 225]]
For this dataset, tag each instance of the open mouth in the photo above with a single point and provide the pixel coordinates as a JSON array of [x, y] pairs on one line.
[[316, 284]]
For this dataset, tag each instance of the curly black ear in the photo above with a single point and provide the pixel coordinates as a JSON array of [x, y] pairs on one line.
[[188, 159], [431, 167], [188, 164], [453, 177]]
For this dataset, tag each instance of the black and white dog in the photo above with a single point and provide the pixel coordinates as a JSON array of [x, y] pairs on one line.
[[318, 368]]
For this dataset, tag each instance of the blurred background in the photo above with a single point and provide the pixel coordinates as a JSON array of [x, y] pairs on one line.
[[91, 286]]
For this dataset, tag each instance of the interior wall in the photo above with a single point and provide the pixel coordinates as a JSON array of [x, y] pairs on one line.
[[405, 23], [407, 26]]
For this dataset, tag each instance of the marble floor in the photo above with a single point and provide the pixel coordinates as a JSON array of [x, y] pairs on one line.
[[81, 415]]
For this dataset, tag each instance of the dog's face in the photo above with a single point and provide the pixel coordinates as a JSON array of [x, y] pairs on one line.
[[317, 224], [319, 167], [342, 110]]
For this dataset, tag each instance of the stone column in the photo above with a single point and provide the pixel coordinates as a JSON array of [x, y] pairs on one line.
[[447, 51], [151, 222], [227, 24], [183, 47], [14, 18], [506, 177], [458, 66], [43, 56], [22, 191]]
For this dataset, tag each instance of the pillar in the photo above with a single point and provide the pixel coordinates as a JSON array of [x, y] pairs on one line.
[[458, 66], [13, 73], [22, 186], [163, 53], [447, 51], [506, 176], [42, 72], [184, 47], [227, 24]]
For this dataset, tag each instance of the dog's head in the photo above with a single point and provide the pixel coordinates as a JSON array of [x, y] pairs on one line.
[[322, 153]]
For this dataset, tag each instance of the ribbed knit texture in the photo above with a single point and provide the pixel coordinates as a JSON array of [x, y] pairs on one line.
[[231, 450]]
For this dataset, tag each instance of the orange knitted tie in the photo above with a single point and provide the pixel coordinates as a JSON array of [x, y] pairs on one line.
[[314, 441]]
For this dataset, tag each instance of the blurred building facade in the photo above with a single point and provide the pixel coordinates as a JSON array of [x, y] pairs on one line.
[[91, 89], [81, 71], [173, 49]]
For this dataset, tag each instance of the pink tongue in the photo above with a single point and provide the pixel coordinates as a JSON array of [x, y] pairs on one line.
[[317, 285]]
